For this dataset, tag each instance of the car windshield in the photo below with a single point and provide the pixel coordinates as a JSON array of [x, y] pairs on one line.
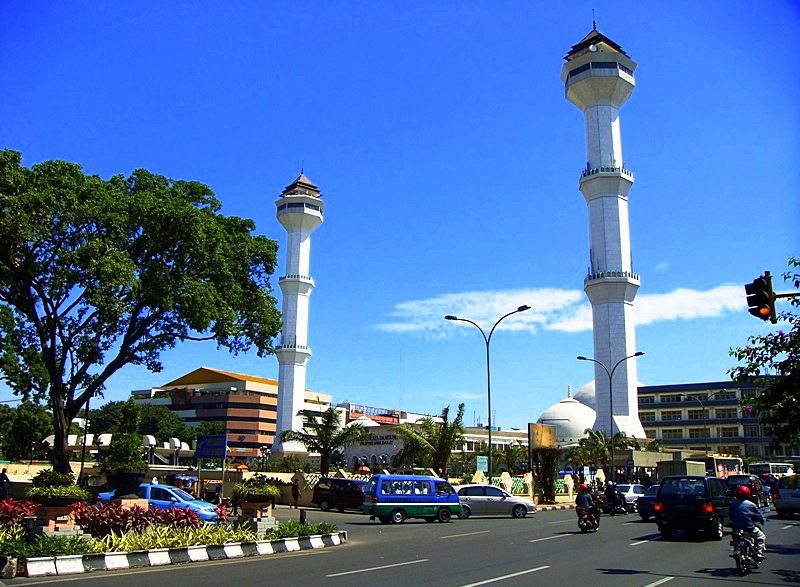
[[183, 495], [682, 486], [623, 488]]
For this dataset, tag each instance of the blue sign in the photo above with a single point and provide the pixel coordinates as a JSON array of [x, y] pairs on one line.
[[212, 446], [482, 463]]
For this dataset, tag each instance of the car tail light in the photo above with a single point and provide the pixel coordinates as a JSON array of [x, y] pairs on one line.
[[657, 506], [707, 508]]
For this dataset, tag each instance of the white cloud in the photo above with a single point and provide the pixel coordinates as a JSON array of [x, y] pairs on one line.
[[553, 309]]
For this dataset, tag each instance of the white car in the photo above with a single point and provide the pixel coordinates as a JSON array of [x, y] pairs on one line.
[[631, 493], [786, 497]]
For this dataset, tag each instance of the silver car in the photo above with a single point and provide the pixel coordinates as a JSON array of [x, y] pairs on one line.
[[488, 500]]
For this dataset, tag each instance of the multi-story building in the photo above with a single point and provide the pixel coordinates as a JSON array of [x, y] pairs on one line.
[[245, 404], [705, 418]]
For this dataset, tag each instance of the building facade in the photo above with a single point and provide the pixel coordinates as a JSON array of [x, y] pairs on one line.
[[706, 418], [245, 404]]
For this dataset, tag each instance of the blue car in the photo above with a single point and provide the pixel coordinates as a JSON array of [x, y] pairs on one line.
[[168, 496]]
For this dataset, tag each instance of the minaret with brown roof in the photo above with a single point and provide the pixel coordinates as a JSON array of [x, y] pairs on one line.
[[299, 210]]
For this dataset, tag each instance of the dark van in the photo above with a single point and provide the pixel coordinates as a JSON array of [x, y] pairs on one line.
[[337, 493], [393, 498]]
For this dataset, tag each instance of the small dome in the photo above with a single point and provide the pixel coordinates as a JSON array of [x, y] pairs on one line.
[[570, 417], [586, 395]]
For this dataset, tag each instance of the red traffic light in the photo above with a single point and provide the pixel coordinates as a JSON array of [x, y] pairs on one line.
[[761, 298]]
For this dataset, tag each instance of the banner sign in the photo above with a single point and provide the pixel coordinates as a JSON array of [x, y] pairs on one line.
[[212, 446]]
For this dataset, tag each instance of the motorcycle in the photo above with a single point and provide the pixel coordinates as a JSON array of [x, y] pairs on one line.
[[617, 507], [743, 551], [587, 521]]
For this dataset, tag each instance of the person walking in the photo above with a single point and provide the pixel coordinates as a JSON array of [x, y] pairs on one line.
[[295, 493], [5, 483]]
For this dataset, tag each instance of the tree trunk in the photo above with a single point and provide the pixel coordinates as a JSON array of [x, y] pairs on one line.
[[61, 441]]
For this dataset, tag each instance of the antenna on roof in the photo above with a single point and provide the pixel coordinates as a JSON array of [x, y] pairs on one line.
[[302, 166], [594, 22], [569, 391]]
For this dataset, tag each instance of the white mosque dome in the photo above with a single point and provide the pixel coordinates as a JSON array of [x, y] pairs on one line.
[[586, 395], [570, 417]]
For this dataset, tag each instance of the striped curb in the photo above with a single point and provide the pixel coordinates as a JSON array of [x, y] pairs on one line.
[[549, 508], [112, 561]]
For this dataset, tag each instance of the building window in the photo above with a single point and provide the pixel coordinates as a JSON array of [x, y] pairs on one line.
[[751, 430], [672, 434], [647, 416], [671, 415], [725, 413], [650, 433], [697, 397], [697, 414], [726, 395], [698, 433], [728, 431], [647, 399], [668, 399]]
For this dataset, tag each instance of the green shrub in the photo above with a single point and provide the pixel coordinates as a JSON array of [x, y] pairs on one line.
[[293, 528], [12, 511], [42, 493], [256, 485], [49, 545], [169, 537], [51, 478]]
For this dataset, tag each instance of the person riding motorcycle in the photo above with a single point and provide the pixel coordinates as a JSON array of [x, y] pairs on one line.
[[585, 503], [612, 497], [744, 515]]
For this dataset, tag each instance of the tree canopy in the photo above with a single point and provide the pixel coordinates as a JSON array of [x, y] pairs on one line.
[[772, 362], [429, 443], [98, 274]]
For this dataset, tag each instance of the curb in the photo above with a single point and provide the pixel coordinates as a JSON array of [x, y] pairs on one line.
[[112, 561], [550, 508]]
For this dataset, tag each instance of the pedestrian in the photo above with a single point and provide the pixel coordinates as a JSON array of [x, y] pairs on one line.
[[5, 483], [295, 493]]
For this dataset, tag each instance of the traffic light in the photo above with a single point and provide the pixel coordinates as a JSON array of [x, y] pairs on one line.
[[761, 298]]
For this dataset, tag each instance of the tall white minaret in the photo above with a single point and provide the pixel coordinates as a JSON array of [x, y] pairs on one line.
[[299, 210], [598, 76]]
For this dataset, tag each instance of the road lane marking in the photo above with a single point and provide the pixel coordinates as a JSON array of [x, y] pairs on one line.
[[422, 560], [638, 543], [787, 526], [466, 534], [659, 582], [561, 521], [550, 537], [504, 577]]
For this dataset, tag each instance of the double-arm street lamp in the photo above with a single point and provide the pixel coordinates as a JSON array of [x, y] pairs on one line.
[[611, 400], [706, 431], [488, 339]]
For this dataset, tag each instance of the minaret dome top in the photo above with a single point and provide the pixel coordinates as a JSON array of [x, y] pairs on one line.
[[302, 186], [594, 42]]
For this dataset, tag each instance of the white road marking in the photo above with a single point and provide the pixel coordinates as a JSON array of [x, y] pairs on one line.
[[561, 521], [638, 543], [422, 560], [466, 534], [504, 577], [550, 537], [659, 582]]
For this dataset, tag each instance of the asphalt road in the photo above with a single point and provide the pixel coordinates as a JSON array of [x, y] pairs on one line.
[[541, 549]]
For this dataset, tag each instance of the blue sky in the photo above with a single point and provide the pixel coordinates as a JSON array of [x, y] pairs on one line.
[[449, 160]]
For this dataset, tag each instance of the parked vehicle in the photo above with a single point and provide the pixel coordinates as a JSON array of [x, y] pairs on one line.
[[393, 498], [787, 496], [493, 501], [692, 503], [760, 493], [337, 493], [631, 493], [645, 503], [168, 496], [743, 551]]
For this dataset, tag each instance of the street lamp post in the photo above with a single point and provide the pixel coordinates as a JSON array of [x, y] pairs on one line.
[[611, 400], [487, 340], [706, 431]]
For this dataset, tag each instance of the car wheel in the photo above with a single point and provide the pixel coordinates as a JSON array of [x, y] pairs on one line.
[[384, 519], [465, 512], [397, 517], [444, 515], [782, 514], [716, 530], [519, 511], [324, 505], [665, 531], [340, 509], [645, 518]]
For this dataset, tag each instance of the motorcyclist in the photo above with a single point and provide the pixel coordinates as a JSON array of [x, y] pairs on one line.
[[585, 503], [744, 515], [612, 498]]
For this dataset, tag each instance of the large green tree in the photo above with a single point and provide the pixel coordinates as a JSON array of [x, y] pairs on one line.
[[430, 443], [29, 425], [772, 362], [324, 434], [98, 274]]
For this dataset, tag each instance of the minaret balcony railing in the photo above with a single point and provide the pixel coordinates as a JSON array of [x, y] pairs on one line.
[[589, 171], [607, 274], [290, 343], [295, 276]]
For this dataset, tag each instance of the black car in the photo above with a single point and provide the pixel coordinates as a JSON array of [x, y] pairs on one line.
[[692, 503], [336, 493], [760, 493]]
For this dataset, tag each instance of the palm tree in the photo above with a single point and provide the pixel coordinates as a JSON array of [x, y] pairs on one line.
[[596, 444], [324, 434], [430, 443], [512, 455]]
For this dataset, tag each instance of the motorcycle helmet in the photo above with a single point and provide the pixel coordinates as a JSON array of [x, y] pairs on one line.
[[583, 487], [743, 492]]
